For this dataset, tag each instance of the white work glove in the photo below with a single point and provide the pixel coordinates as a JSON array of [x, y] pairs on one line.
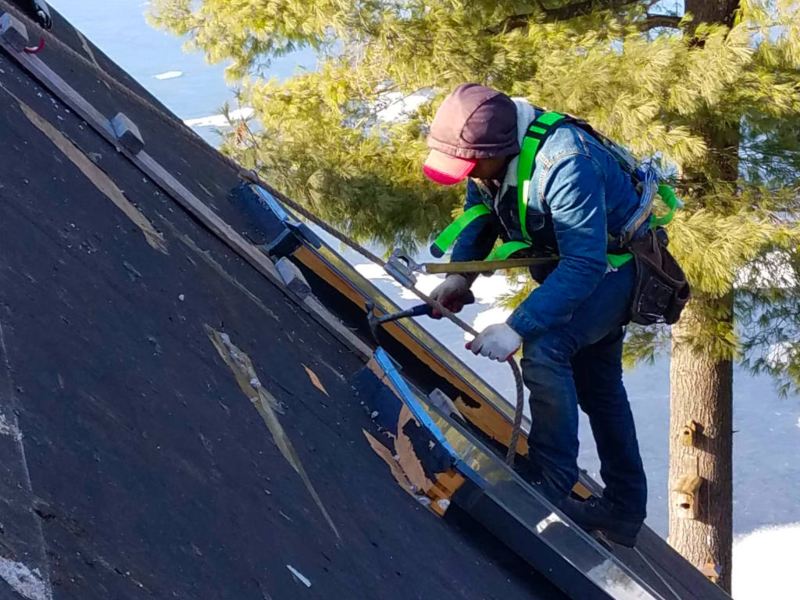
[[452, 293], [498, 342]]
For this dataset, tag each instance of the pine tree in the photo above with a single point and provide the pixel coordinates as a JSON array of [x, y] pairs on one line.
[[711, 92]]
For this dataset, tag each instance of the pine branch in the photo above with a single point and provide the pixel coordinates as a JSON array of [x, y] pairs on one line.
[[563, 13], [580, 9], [510, 24], [654, 21]]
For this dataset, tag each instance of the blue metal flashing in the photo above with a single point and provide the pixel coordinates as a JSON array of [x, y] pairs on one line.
[[275, 206], [421, 415], [265, 209]]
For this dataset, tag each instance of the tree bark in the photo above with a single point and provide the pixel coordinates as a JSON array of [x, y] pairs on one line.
[[713, 11], [701, 390]]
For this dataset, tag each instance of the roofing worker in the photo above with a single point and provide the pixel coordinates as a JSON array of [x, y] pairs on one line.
[[564, 191]]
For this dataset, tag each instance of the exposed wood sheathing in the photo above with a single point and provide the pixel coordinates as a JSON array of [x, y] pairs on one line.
[[102, 181], [267, 406]]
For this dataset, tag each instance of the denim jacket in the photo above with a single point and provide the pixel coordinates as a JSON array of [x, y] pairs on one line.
[[579, 194]]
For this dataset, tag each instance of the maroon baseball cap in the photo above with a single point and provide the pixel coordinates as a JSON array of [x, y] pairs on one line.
[[473, 122]]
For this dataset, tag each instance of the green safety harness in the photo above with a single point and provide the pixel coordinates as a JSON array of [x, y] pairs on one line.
[[537, 132]]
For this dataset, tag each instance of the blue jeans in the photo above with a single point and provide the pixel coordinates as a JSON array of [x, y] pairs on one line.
[[580, 363]]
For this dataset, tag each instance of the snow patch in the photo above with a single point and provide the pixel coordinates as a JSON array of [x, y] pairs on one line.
[[371, 271], [489, 290], [490, 316], [542, 525], [425, 283], [28, 583], [774, 271], [781, 354], [765, 563], [169, 75], [221, 120], [397, 106], [616, 582]]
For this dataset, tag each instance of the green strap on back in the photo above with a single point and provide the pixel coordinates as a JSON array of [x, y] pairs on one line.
[[505, 251], [615, 261], [537, 132], [671, 200], [448, 237]]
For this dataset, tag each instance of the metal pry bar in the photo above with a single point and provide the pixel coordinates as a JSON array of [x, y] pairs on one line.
[[403, 268], [375, 321]]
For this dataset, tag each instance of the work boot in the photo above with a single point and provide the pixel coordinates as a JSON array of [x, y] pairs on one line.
[[596, 514], [532, 473]]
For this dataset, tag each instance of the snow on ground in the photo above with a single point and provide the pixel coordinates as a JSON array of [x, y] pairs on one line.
[[373, 272], [28, 583], [765, 564], [488, 290], [169, 75], [780, 355], [397, 106], [497, 314], [773, 270], [221, 120]]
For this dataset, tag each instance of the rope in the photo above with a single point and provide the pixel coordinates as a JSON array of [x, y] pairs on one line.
[[252, 177]]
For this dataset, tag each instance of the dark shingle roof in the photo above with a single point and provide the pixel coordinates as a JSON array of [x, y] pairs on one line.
[[143, 469]]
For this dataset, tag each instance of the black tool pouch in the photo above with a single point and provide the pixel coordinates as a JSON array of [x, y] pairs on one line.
[[661, 289]]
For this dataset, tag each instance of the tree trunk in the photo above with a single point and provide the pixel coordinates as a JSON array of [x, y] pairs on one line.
[[713, 11], [701, 390]]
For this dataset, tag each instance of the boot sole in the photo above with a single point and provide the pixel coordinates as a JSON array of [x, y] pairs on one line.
[[607, 535]]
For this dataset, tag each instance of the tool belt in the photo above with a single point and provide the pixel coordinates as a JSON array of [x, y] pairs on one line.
[[661, 290]]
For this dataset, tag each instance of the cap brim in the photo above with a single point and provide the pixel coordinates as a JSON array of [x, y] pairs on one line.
[[444, 169]]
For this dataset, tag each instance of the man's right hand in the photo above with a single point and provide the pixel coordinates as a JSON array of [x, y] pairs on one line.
[[453, 293]]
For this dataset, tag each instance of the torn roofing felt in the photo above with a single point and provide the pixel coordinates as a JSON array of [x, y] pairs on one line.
[[135, 455]]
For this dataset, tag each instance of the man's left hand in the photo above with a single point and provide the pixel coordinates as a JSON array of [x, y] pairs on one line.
[[498, 342]]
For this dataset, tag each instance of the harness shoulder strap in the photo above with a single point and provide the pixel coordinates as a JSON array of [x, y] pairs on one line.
[[537, 132], [448, 237]]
